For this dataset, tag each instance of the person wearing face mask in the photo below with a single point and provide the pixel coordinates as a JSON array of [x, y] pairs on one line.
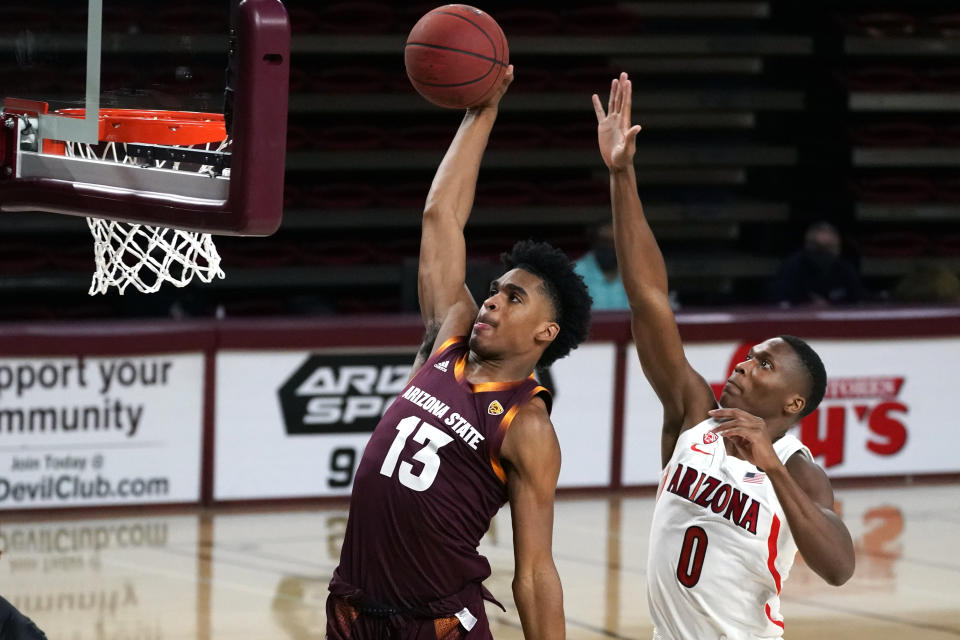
[[599, 270], [817, 274]]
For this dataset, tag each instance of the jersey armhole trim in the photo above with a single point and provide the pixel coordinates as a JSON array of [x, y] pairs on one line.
[[507, 420], [448, 343]]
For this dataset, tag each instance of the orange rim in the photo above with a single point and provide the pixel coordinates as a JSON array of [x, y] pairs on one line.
[[155, 127]]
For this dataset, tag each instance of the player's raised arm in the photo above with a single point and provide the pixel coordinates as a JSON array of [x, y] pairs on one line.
[[531, 452], [446, 305], [685, 396]]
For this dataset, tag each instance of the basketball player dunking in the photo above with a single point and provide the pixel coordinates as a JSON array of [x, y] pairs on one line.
[[469, 432], [738, 496]]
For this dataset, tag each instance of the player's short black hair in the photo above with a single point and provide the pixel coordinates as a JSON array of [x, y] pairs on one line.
[[565, 288], [815, 370]]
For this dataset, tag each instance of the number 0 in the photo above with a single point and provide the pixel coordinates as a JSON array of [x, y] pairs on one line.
[[691, 556]]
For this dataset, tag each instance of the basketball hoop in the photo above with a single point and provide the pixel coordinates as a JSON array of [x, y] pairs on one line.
[[142, 255]]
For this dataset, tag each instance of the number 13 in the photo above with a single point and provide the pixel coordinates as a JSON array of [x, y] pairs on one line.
[[427, 455]]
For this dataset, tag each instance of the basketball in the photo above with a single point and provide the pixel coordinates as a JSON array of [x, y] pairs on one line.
[[455, 56]]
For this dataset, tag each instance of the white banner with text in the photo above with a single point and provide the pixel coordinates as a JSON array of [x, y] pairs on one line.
[[295, 423], [85, 431], [883, 412]]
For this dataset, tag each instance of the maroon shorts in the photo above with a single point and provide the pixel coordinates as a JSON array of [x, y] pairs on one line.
[[345, 622]]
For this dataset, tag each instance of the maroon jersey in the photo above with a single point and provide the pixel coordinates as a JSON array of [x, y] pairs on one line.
[[429, 483]]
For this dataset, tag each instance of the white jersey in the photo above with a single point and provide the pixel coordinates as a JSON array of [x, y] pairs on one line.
[[720, 547]]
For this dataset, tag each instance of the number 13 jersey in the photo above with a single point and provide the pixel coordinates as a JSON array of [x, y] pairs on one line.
[[720, 547], [429, 483]]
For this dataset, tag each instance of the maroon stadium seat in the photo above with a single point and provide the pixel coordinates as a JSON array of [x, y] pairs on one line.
[[528, 21], [18, 258], [577, 192], [356, 17], [949, 190], [518, 136], [409, 195], [896, 189], [342, 196], [885, 79], [188, 18], [884, 24], [507, 193], [590, 78], [944, 79], [353, 79], [895, 134], [580, 135], [349, 137], [424, 136], [895, 245], [300, 138], [333, 253], [946, 25], [259, 254], [948, 245], [600, 20]]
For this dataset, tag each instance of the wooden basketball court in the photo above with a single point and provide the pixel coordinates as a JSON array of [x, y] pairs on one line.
[[226, 574]]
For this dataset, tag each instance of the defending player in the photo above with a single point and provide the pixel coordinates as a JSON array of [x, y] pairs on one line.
[[738, 496], [16, 626], [470, 431]]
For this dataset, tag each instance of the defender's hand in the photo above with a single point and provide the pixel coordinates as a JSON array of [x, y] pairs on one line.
[[749, 436], [494, 100], [617, 138]]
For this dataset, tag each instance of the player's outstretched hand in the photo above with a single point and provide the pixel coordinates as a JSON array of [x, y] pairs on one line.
[[749, 436], [617, 137], [494, 100]]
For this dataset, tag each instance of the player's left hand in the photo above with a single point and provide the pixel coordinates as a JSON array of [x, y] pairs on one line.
[[748, 434], [616, 136]]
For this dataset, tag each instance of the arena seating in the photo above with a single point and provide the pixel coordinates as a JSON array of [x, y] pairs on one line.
[[758, 117]]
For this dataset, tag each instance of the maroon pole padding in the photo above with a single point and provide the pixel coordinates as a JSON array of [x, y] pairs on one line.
[[254, 206]]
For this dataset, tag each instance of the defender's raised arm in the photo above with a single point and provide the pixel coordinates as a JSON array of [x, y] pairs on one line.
[[685, 395]]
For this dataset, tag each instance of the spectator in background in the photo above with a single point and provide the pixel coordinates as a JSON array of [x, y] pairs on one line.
[[598, 267], [818, 274]]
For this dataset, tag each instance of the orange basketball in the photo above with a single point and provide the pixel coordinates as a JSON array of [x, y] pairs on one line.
[[456, 56]]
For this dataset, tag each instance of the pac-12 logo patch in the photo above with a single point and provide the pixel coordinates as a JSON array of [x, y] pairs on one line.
[[709, 437], [495, 408]]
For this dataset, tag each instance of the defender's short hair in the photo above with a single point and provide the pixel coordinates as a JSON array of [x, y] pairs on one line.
[[563, 286], [813, 365]]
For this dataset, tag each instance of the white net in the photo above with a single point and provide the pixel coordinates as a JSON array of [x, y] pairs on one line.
[[143, 256]]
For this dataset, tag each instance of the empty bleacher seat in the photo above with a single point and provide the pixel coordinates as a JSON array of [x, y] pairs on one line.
[[356, 17], [896, 189]]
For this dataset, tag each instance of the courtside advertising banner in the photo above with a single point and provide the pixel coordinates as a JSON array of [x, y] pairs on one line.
[[295, 423], [885, 412], [582, 415], [85, 431]]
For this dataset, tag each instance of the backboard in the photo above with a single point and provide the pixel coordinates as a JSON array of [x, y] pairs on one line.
[[227, 59]]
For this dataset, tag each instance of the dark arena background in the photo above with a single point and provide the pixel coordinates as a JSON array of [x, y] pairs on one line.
[[177, 465]]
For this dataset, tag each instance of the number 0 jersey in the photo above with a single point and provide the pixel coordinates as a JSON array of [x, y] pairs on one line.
[[429, 483], [720, 547]]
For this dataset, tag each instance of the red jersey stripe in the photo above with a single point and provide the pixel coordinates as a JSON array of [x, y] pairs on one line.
[[772, 549], [770, 618]]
